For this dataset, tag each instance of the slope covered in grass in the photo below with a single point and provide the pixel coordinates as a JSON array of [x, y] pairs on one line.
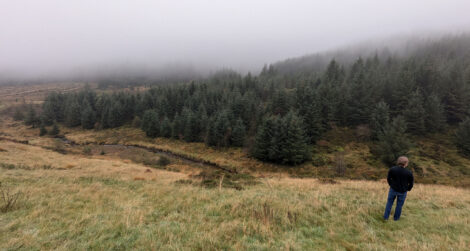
[[97, 204]]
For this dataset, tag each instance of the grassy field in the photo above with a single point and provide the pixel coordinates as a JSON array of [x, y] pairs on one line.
[[79, 202], [119, 198]]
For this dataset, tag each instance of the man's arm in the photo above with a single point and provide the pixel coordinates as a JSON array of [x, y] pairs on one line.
[[389, 176], [411, 182]]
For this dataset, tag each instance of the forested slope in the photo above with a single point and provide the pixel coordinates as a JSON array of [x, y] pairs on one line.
[[279, 116]]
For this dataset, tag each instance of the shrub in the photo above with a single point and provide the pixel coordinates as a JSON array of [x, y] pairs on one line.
[[163, 161], [87, 150], [9, 199]]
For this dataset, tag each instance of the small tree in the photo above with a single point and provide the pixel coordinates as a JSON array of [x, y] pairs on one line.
[[415, 114], [264, 138], [42, 130], [435, 114], [393, 141], [55, 130], [31, 118], [150, 124], [165, 128], [379, 119], [462, 137], [238, 133], [88, 118]]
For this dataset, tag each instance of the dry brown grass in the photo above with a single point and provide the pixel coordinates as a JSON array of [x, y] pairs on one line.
[[107, 203]]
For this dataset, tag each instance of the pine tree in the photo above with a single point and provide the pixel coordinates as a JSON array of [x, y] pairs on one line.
[[415, 114], [165, 128], [313, 122], [72, 112], [238, 133], [88, 118], [42, 129], [211, 137], [55, 129], [31, 118], [222, 129], [264, 139], [150, 124], [393, 141], [435, 115], [462, 137], [294, 148], [178, 127], [115, 116], [379, 119], [191, 126]]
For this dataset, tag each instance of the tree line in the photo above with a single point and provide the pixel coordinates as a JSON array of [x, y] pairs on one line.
[[279, 116]]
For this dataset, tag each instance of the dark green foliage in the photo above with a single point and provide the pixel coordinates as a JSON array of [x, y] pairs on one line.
[[72, 112], [293, 146], [55, 130], [88, 118], [393, 141], [380, 117], [191, 128], [178, 127], [429, 87], [462, 137], [435, 118], [165, 128], [150, 124], [238, 133], [282, 140], [163, 161], [31, 118], [42, 129], [219, 131], [415, 114], [53, 108]]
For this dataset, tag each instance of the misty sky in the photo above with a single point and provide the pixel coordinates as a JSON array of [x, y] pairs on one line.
[[41, 37]]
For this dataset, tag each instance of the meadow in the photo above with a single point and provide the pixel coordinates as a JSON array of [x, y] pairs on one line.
[[83, 202]]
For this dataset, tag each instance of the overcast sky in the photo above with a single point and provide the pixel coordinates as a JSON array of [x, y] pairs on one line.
[[40, 37]]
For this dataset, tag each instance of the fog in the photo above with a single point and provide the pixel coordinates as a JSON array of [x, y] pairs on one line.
[[57, 38]]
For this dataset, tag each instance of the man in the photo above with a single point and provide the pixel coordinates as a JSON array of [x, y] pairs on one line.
[[400, 181]]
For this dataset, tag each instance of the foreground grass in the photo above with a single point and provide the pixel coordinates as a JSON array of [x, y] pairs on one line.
[[97, 204]]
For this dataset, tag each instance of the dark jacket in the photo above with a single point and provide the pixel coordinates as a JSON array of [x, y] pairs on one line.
[[400, 179]]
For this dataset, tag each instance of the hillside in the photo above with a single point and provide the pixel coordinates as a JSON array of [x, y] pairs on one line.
[[81, 202]]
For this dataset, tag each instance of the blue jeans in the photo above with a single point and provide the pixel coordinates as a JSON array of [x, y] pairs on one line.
[[392, 194]]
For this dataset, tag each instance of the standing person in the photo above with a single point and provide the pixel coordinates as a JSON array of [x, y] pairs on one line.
[[400, 181]]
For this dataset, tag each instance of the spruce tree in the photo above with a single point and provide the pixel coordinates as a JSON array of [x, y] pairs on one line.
[[42, 129], [31, 117], [462, 137], [393, 141], [165, 128], [72, 112], [313, 122], [379, 119], [178, 127], [435, 115], [415, 114], [293, 149], [238, 133], [150, 124], [55, 129], [88, 118], [264, 139]]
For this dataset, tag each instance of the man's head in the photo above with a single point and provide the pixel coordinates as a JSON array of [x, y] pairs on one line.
[[402, 161]]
